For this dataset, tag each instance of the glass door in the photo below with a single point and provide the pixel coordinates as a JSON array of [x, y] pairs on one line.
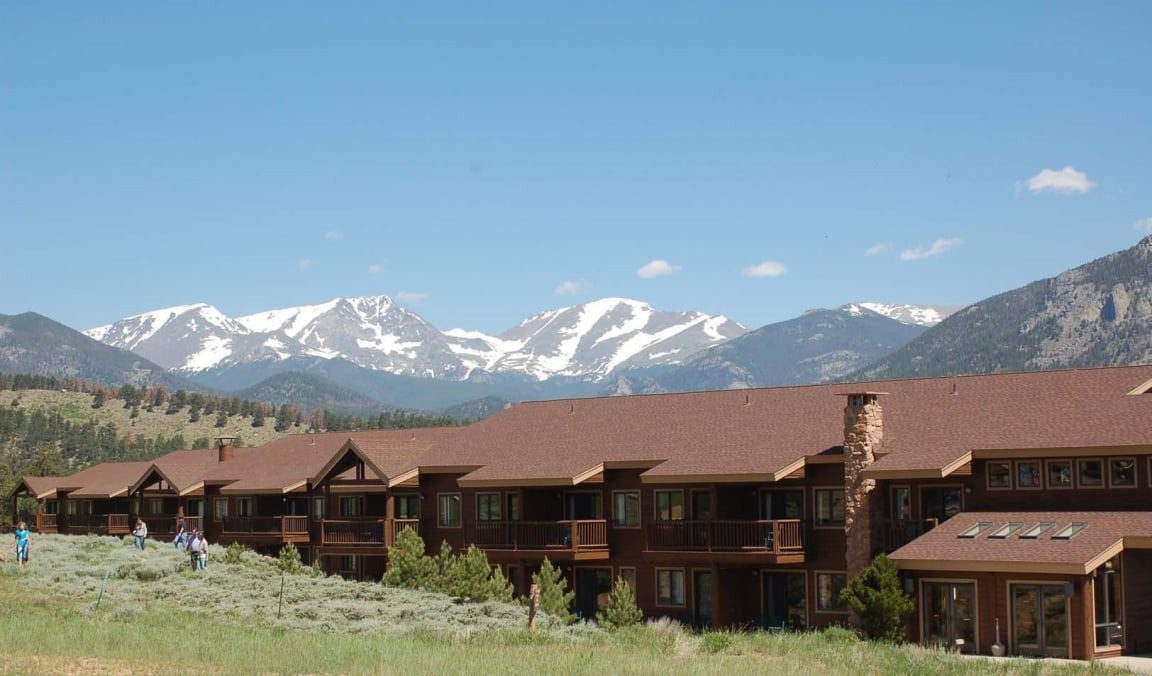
[[703, 592], [782, 505], [785, 601], [941, 502], [1040, 620], [950, 615]]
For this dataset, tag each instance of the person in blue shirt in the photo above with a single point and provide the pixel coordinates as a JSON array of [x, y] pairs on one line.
[[22, 543]]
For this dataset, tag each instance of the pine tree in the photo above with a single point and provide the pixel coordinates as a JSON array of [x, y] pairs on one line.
[[878, 598], [621, 610], [258, 417], [221, 418], [555, 598], [472, 579], [283, 418], [407, 565], [289, 560], [98, 399]]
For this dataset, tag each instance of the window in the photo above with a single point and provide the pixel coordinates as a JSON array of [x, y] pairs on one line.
[[1090, 474], [626, 509], [319, 510], [488, 507], [449, 512], [51, 507], [669, 506], [1069, 531], [70, 508], [1037, 530], [828, 588], [669, 587], [1007, 529], [350, 505], [220, 509], [629, 575], [901, 503], [999, 475], [1028, 474], [1059, 474], [155, 506], [1109, 633], [243, 506], [407, 506], [514, 513], [974, 530], [829, 507], [1122, 472]]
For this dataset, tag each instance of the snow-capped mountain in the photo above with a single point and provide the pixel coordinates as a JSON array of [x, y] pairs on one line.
[[918, 315], [593, 339], [587, 341]]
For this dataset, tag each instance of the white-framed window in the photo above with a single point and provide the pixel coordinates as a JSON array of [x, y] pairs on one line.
[[407, 506], [828, 588], [670, 587], [70, 507], [829, 507], [669, 505], [448, 510], [1028, 476], [1122, 472], [155, 506], [319, 508], [220, 508], [1090, 473], [1059, 473], [999, 475], [626, 509], [244, 507], [489, 507]]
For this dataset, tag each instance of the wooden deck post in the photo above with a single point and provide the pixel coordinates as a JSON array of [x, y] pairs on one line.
[[575, 534]]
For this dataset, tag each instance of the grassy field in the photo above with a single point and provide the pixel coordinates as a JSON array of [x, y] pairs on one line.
[[77, 407], [156, 616]]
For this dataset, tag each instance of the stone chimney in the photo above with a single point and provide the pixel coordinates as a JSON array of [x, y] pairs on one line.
[[863, 434], [224, 448]]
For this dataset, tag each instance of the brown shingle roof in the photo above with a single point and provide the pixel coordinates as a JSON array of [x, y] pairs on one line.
[[1105, 534], [106, 480]]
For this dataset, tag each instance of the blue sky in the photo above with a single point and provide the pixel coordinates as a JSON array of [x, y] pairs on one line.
[[480, 156]]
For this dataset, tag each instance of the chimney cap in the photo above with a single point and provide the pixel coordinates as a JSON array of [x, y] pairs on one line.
[[225, 441], [856, 392]]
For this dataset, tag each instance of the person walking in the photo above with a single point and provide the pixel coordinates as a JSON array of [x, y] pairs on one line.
[[22, 538], [181, 534], [202, 556], [194, 550], [140, 533]]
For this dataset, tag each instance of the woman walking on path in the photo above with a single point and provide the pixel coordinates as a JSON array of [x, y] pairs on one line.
[[181, 534], [194, 550], [141, 532], [22, 544]]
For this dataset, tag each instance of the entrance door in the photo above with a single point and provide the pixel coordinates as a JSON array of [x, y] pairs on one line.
[[941, 502], [1040, 620], [782, 505], [785, 601], [701, 507], [703, 592], [583, 506], [950, 615], [593, 586]]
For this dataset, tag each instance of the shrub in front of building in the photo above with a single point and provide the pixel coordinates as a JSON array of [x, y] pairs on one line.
[[879, 601]]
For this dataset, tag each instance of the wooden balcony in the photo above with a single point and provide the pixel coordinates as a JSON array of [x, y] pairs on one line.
[[895, 533], [99, 524], [46, 523], [366, 532], [266, 529], [558, 540], [161, 525], [777, 541]]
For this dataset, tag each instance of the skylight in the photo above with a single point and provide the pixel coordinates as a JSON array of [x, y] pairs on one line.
[[1006, 530], [975, 529], [1069, 531], [1037, 530]]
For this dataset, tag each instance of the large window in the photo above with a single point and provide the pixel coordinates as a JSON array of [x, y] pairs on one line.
[[155, 506], [1059, 474], [1090, 474], [829, 507], [243, 506], [319, 508], [669, 505], [514, 511], [1028, 474], [999, 474], [626, 509], [488, 507], [901, 503], [407, 506], [1122, 472], [1108, 628], [220, 508], [350, 505], [670, 587], [828, 588], [449, 510]]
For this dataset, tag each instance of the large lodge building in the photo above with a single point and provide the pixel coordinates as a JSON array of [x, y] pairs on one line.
[[1017, 500]]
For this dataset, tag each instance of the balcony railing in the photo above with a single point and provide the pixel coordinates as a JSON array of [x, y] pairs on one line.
[[537, 535], [46, 523], [364, 531], [283, 526], [898, 532], [779, 536], [168, 524], [99, 523]]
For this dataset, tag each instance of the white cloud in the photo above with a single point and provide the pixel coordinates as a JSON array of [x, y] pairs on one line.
[[1066, 180], [305, 264], [935, 249], [376, 268], [573, 287], [877, 249], [657, 268], [333, 235], [411, 297], [1143, 225], [765, 269]]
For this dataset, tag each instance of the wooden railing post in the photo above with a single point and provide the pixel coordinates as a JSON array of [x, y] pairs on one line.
[[776, 532], [575, 526]]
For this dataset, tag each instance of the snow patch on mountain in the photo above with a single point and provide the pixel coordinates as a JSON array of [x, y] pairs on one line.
[[917, 315]]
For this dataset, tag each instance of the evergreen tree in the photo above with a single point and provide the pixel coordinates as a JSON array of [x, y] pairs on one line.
[[221, 418], [194, 414], [407, 565], [621, 610], [258, 417], [283, 418], [555, 598], [98, 399], [134, 413], [879, 600]]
